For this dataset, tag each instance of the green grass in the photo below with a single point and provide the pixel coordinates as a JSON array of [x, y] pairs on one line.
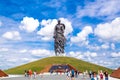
[[42, 63]]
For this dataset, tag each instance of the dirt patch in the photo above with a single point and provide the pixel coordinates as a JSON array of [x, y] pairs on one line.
[[3, 74], [116, 73]]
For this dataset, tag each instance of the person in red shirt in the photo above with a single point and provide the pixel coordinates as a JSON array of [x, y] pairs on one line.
[[30, 73]]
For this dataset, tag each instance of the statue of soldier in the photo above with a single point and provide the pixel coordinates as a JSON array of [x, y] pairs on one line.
[[59, 38]]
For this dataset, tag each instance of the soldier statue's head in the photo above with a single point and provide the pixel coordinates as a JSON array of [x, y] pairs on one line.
[[59, 21]]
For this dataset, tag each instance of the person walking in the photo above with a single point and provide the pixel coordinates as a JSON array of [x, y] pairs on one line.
[[101, 75], [94, 77], [90, 74], [34, 74], [68, 75], [72, 74], [106, 75], [30, 73], [25, 73]]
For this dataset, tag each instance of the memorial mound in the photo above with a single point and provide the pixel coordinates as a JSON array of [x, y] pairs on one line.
[[39, 65]]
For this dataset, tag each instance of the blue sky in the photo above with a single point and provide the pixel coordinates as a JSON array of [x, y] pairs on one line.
[[92, 30]]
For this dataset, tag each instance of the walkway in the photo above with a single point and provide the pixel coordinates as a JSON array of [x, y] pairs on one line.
[[47, 77]]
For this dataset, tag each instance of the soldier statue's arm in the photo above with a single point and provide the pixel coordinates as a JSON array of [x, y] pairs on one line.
[[55, 29], [63, 26]]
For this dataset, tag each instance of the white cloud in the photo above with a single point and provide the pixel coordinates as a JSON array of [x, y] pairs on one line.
[[48, 28], [12, 35], [4, 49], [94, 54], [83, 55], [23, 50], [25, 59], [83, 35], [100, 8], [104, 54], [41, 52], [76, 55], [109, 31], [68, 26], [115, 54], [29, 24], [12, 59], [105, 63], [98, 47], [57, 4], [90, 54], [112, 46], [1, 56], [93, 47], [0, 23], [105, 46]]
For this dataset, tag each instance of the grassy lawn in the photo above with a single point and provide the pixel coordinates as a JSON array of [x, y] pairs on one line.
[[42, 63]]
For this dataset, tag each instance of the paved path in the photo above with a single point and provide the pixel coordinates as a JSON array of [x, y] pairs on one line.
[[47, 77]]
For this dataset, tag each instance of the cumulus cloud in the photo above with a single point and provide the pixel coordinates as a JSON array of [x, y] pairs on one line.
[[115, 54], [41, 52], [23, 50], [97, 58], [90, 54], [76, 55], [105, 46], [0, 23], [105, 63], [29, 24], [12, 60], [26, 60], [99, 8], [57, 4], [48, 28], [83, 35], [93, 47], [4, 49], [12, 35], [98, 47], [83, 55], [112, 46], [109, 31]]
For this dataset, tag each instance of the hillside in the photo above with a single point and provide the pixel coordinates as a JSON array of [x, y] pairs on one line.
[[42, 63]]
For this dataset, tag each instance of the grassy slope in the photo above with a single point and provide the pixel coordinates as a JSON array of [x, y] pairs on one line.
[[40, 64]]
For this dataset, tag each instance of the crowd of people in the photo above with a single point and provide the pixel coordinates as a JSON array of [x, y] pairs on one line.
[[30, 74], [99, 76], [72, 74]]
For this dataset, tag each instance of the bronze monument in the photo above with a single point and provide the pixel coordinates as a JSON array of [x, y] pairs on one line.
[[59, 39]]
